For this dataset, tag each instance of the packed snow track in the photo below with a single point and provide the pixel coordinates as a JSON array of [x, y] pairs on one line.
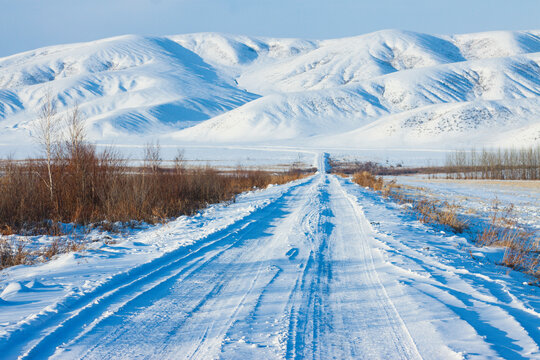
[[308, 276]]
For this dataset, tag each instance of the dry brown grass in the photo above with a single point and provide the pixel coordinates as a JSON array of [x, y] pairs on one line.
[[521, 251], [91, 187], [105, 195], [283, 178], [525, 184], [435, 212], [340, 174], [523, 254], [13, 252], [501, 229], [367, 179], [426, 209], [57, 247], [6, 230]]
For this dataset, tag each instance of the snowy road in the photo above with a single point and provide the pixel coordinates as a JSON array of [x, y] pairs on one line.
[[307, 276]]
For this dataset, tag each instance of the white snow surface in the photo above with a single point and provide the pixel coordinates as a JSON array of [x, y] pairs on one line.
[[390, 88], [318, 268], [482, 197]]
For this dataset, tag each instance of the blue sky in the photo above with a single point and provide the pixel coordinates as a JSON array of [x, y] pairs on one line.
[[28, 24]]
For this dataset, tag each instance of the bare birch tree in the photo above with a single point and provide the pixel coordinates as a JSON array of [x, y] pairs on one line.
[[76, 133], [46, 135], [152, 156]]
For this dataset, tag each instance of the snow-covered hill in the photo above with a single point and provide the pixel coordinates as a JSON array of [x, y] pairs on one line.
[[388, 88], [123, 84]]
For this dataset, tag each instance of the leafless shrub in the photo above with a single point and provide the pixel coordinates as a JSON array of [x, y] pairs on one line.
[[98, 188], [522, 253], [58, 246], [152, 157], [92, 187], [352, 167], [179, 162], [12, 252], [432, 211], [521, 250], [502, 230], [73, 182], [366, 179]]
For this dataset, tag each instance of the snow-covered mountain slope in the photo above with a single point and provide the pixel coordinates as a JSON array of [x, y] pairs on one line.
[[126, 84], [380, 89], [472, 88]]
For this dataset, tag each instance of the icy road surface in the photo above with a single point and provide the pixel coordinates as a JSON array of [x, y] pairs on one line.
[[325, 270]]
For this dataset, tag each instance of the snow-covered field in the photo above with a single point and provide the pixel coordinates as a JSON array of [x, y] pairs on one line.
[[318, 268], [482, 197]]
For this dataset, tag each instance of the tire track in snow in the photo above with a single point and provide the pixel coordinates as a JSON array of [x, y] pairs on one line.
[[307, 319], [392, 338], [459, 287], [94, 307], [249, 322], [232, 289], [220, 270], [322, 324]]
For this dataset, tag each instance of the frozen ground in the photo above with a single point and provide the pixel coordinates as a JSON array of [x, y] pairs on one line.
[[255, 156], [482, 197], [319, 268], [281, 157]]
